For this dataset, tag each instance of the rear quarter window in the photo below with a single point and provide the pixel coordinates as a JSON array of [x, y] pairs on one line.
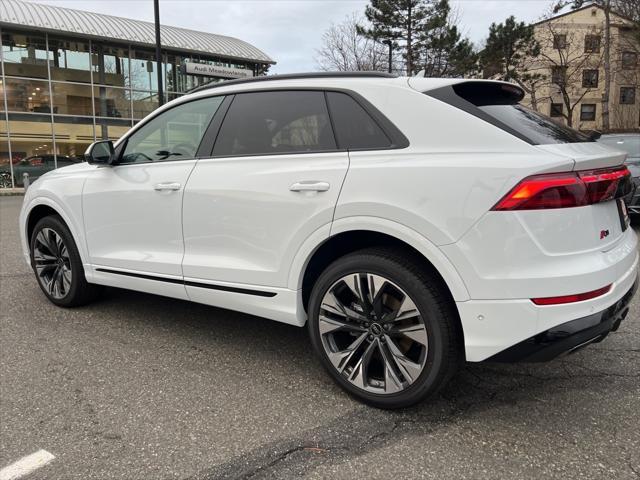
[[354, 127]]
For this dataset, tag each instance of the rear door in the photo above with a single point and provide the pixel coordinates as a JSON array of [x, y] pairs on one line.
[[273, 180]]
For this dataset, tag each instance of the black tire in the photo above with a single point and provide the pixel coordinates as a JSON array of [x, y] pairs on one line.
[[79, 291], [436, 311]]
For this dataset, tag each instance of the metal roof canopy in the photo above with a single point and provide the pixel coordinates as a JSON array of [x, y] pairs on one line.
[[97, 25]]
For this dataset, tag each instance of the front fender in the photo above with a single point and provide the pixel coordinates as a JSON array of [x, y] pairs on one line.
[[70, 210]]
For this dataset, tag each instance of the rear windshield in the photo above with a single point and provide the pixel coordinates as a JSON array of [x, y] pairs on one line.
[[497, 103], [536, 127]]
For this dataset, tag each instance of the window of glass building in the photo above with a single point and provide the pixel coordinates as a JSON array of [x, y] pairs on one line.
[[112, 102], [5, 164], [31, 145], [25, 55], [111, 128], [71, 99], [110, 65], [71, 60], [144, 103], [27, 95], [73, 136], [144, 75]]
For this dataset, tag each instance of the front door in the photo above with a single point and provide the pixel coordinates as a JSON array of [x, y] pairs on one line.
[[133, 210]]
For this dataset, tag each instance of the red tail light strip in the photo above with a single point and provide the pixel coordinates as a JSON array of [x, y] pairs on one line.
[[568, 189], [577, 297]]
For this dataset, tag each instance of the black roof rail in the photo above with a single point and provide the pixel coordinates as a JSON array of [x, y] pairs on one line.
[[292, 76]]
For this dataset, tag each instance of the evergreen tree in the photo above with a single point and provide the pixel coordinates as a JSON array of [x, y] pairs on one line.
[[444, 53], [510, 53], [508, 47], [399, 22]]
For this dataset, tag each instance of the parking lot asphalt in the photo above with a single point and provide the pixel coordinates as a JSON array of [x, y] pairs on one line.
[[136, 386]]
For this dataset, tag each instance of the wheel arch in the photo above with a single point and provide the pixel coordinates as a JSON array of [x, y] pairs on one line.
[[41, 207], [351, 234]]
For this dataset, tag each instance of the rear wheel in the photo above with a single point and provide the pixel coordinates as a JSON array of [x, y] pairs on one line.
[[57, 264], [383, 328]]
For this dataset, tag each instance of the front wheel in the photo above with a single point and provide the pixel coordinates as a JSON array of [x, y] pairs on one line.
[[383, 328], [58, 266]]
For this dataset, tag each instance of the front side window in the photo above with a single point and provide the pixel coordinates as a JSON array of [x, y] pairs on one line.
[[263, 123], [588, 112], [172, 135], [590, 78], [627, 95]]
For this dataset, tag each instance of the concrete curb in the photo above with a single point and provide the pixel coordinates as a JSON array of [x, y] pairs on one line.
[[11, 192]]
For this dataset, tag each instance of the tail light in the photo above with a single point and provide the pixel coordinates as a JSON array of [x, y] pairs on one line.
[[570, 189], [577, 297]]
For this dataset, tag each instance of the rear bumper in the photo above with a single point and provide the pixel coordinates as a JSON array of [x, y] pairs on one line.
[[570, 336], [494, 326]]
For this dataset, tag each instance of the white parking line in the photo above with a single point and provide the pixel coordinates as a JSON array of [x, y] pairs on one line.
[[26, 465]]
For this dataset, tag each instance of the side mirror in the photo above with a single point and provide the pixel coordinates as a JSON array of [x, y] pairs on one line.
[[101, 153]]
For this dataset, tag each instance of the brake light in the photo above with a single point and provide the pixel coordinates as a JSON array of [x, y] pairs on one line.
[[577, 297], [570, 189]]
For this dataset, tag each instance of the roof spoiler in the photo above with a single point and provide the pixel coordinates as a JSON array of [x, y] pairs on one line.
[[482, 93]]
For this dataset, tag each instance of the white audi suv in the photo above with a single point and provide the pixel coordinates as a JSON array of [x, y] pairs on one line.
[[412, 224]]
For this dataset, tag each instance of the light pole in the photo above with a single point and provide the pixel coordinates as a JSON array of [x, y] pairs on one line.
[[156, 12]]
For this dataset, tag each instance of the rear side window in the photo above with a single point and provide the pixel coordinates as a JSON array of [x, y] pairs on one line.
[[355, 129], [498, 104], [262, 123]]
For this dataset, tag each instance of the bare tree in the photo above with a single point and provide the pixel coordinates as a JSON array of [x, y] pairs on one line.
[[344, 49], [573, 72]]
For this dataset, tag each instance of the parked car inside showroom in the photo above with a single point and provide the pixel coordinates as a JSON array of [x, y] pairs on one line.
[[411, 224], [630, 143], [35, 166]]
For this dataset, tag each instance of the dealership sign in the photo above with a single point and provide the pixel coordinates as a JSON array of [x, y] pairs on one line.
[[216, 71]]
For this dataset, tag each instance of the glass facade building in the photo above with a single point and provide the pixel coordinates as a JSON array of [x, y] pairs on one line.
[[62, 90]]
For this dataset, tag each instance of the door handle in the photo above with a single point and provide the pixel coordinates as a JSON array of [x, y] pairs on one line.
[[310, 186], [161, 187]]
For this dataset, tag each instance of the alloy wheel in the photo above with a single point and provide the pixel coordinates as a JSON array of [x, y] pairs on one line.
[[52, 263], [373, 333]]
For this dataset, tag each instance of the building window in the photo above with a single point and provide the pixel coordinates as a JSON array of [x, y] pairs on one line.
[[629, 60], [559, 41], [556, 110], [627, 95], [110, 65], [71, 99], [25, 55], [558, 75], [588, 112], [592, 43], [590, 78], [71, 60], [27, 95]]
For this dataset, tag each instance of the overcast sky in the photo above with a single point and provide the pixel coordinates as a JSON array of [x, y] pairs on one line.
[[291, 30]]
